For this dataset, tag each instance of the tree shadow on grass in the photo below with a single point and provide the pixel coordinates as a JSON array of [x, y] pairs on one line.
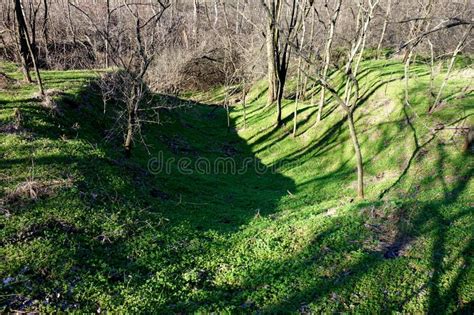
[[336, 272], [405, 282], [117, 225]]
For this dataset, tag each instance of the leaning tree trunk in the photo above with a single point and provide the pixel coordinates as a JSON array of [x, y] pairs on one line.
[[279, 103], [384, 28], [22, 44], [32, 51], [358, 154], [450, 69], [327, 60], [130, 130], [282, 71], [45, 30]]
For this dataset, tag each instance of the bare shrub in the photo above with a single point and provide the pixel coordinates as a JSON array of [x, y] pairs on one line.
[[165, 72], [207, 70]]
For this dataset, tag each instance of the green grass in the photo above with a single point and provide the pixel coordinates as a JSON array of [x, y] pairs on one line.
[[105, 233]]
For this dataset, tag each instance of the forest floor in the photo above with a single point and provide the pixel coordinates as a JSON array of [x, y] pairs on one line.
[[82, 228]]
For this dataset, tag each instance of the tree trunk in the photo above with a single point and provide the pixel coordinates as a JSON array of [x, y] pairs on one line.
[[107, 34], [226, 105], [45, 30], [450, 68], [432, 70], [195, 21], [407, 76], [281, 84], [130, 130], [244, 103], [298, 82], [327, 60], [384, 28], [22, 43], [216, 12], [311, 49], [271, 69], [32, 51], [358, 154]]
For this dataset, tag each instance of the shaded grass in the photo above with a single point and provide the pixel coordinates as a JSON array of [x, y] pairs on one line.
[[290, 240]]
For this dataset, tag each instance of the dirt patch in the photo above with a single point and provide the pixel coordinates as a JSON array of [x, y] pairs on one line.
[[378, 111], [386, 224], [5, 81], [39, 229], [377, 178], [9, 128], [179, 146], [47, 93]]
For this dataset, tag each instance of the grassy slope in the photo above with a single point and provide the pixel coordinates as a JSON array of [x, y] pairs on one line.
[[107, 234]]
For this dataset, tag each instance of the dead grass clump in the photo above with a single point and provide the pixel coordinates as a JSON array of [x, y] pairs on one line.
[[48, 93], [49, 103], [379, 111], [13, 127], [48, 99], [387, 175], [32, 190]]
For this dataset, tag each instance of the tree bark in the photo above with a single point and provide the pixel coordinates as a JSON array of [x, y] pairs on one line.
[[107, 34], [195, 21], [244, 102], [432, 70], [450, 68], [22, 43], [32, 53], [271, 69], [45, 29], [358, 154], [130, 129], [327, 60], [384, 28], [298, 82]]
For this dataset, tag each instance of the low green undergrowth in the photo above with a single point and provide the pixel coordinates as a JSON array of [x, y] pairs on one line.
[[82, 228]]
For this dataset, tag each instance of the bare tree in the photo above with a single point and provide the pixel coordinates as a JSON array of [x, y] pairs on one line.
[[299, 90], [134, 67], [327, 53], [350, 101], [283, 36], [27, 53], [22, 44]]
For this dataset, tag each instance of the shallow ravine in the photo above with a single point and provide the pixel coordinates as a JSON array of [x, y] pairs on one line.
[[285, 235]]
